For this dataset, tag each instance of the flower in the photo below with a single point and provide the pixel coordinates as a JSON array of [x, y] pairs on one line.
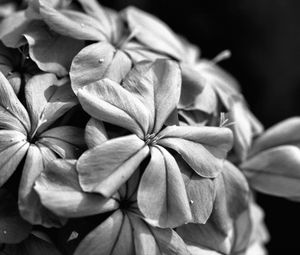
[[140, 106], [123, 231], [29, 134]]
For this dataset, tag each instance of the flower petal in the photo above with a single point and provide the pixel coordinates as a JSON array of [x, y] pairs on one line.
[[59, 190], [153, 33], [152, 83], [48, 99], [71, 23], [275, 171], [10, 102], [163, 185], [11, 155], [13, 228], [50, 51], [203, 148], [29, 203], [283, 133], [95, 133], [106, 167], [97, 61], [117, 238], [106, 100]]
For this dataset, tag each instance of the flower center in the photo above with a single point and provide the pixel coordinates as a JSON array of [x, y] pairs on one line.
[[151, 139]]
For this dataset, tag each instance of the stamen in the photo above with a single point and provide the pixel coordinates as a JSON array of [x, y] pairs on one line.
[[151, 139], [222, 56]]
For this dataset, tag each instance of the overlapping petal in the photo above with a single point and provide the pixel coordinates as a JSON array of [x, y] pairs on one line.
[[163, 185], [95, 133]]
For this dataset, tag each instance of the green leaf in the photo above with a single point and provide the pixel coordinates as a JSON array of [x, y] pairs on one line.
[[106, 100], [97, 61], [59, 190], [163, 185], [50, 51], [101, 171], [203, 148], [275, 171], [153, 33], [48, 98], [13, 228], [10, 102]]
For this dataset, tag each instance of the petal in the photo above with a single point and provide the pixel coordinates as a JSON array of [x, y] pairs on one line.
[[71, 23], [152, 83], [275, 171], [106, 167], [198, 250], [106, 100], [48, 99], [201, 192], [117, 238], [163, 185], [283, 133], [10, 157], [59, 190], [97, 61], [95, 133], [10, 102], [13, 228], [203, 148], [29, 203], [50, 51], [10, 122], [153, 33]]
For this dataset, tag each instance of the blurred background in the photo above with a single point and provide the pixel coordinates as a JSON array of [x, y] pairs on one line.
[[264, 38]]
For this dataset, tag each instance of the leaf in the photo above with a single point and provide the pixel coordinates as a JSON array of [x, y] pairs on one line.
[[153, 33], [59, 190], [152, 83], [106, 100], [13, 228], [203, 148], [95, 133], [283, 133], [201, 192], [117, 238], [98, 61], [10, 102], [163, 185], [28, 201], [47, 99], [50, 51], [71, 23], [275, 171], [13, 148], [106, 167]]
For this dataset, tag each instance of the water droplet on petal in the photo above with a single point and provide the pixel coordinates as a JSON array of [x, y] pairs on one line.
[[82, 25], [4, 232], [101, 60], [7, 108], [73, 236], [191, 202]]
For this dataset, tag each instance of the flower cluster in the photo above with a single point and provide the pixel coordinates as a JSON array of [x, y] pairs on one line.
[[116, 137]]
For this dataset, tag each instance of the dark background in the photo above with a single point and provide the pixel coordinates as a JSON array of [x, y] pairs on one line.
[[264, 38]]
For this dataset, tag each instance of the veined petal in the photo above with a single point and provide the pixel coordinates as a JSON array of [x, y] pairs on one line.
[[153, 33], [13, 228], [71, 23], [106, 100], [106, 167], [97, 61], [152, 83], [283, 133], [162, 184], [117, 239], [29, 203], [10, 102], [50, 51], [48, 99], [10, 122], [11, 155], [59, 190], [275, 171], [95, 133], [203, 148]]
